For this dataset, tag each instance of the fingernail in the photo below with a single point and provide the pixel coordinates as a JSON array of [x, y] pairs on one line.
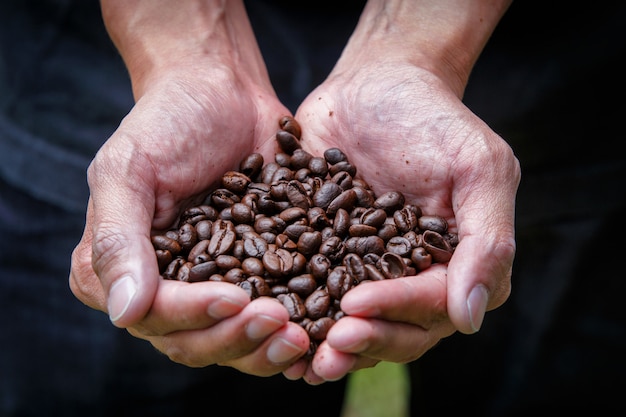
[[120, 297], [476, 306], [281, 351], [262, 326], [224, 307]]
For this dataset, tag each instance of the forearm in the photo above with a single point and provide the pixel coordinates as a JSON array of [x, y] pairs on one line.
[[158, 36], [443, 36]]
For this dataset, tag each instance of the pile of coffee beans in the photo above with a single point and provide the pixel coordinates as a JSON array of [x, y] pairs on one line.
[[302, 229]]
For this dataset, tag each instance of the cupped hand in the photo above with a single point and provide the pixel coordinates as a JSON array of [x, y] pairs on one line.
[[406, 130], [186, 129]]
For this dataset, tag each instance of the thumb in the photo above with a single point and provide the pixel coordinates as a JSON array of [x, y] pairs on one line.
[[123, 257]]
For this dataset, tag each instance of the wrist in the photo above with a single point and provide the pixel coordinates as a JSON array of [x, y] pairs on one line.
[[444, 37], [160, 39]]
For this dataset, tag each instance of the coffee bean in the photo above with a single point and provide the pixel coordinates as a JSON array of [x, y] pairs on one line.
[[302, 229]]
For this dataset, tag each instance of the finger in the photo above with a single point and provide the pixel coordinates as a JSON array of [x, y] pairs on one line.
[[479, 272], [385, 340], [123, 256], [329, 364], [419, 299], [260, 340], [185, 306], [83, 281]]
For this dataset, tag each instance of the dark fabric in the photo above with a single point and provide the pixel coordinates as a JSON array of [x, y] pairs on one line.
[[549, 81]]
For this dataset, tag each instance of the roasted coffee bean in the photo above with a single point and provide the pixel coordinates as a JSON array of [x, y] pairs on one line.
[[294, 305], [303, 229], [433, 223], [291, 125], [251, 165], [391, 265], [303, 285], [221, 242], [162, 242], [399, 245], [339, 282], [278, 263], [309, 241], [202, 271], [319, 266], [317, 303], [355, 267], [390, 202], [437, 246], [334, 155], [318, 329], [421, 258], [326, 194], [287, 141]]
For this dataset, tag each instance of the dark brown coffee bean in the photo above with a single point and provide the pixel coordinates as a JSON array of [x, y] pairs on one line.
[[303, 285], [294, 305], [333, 248], [235, 181], [405, 219], [334, 155], [317, 303], [297, 196], [227, 262], [399, 245], [291, 125], [433, 223], [339, 282], [391, 265], [163, 242], [362, 230], [342, 166], [241, 213], [319, 266], [341, 223], [342, 179], [164, 257], [172, 269], [234, 275], [437, 246], [390, 202], [278, 263], [260, 285], [373, 217], [203, 271], [187, 237], [421, 258], [203, 229], [255, 246], [221, 242], [364, 245], [198, 250], [326, 194], [300, 159], [318, 329], [309, 241], [346, 200], [183, 271], [355, 267], [222, 198], [287, 141], [251, 165], [373, 273], [318, 167], [283, 159]]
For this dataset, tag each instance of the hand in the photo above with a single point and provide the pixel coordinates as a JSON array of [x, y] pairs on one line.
[[406, 130], [195, 117]]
